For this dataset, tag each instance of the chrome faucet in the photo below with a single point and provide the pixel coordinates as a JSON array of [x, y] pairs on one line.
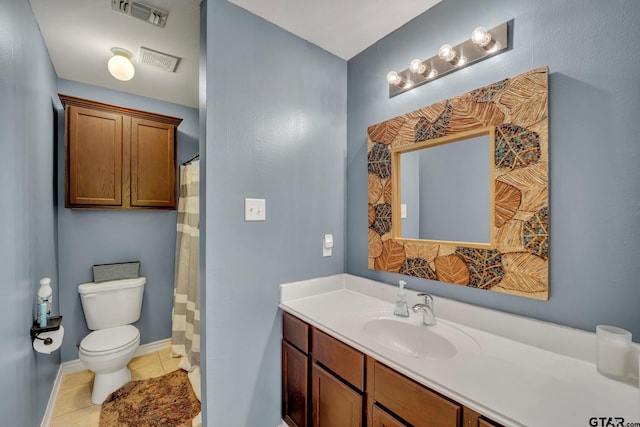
[[428, 315]]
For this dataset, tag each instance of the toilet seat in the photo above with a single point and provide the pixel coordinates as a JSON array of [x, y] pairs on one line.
[[110, 340]]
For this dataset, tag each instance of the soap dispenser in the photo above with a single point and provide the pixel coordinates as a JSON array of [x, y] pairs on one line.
[[402, 308]]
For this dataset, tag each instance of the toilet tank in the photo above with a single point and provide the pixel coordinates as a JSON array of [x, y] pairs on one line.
[[113, 303]]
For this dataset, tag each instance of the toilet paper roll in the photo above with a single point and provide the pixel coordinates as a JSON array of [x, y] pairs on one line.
[[56, 336]]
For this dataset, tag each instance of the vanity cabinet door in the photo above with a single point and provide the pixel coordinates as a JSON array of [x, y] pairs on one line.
[[334, 403], [383, 419], [295, 386]]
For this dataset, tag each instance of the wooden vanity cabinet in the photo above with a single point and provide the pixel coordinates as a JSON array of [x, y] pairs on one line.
[[118, 158], [327, 383]]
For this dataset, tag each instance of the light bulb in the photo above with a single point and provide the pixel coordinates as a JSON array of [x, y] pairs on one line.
[[480, 36], [120, 65], [393, 78], [417, 66], [447, 53]]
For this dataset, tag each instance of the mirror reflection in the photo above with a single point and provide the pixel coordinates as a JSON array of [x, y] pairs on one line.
[[445, 191]]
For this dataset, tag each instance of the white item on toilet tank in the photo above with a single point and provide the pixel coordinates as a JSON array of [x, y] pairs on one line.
[[113, 303]]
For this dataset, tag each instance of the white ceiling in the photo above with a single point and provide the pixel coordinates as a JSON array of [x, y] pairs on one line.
[[342, 27], [79, 35]]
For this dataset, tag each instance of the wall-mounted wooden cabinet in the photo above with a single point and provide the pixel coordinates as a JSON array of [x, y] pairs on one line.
[[118, 158]]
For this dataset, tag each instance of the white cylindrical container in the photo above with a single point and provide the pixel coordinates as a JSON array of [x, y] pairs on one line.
[[45, 295], [613, 348]]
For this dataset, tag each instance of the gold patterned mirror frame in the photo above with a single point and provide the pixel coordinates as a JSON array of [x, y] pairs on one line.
[[516, 261]]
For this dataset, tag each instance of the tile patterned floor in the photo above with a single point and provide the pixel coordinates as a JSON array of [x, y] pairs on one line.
[[73, 406]]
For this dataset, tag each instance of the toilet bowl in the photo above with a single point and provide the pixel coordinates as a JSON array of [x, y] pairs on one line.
[[109, 309], [106, 353]]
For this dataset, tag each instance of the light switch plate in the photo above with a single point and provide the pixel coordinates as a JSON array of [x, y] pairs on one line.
[[255, 210], [403, 210]]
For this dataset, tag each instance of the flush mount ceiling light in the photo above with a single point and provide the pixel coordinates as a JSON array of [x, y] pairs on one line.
[[482, 44], [120, 65]]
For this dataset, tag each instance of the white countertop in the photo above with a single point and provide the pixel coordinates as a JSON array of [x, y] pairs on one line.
[[522, 372]]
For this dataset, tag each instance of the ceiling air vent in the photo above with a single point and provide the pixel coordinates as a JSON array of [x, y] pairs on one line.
[[158, 59], [141, 11]]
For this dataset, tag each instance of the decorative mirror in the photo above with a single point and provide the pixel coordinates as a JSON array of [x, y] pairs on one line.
[[458, 191]]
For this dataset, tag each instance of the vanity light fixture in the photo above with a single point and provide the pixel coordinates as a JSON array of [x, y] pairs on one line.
[[120, 65], [482, 44]]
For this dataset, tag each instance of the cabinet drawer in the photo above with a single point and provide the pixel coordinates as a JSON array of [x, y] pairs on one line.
[[412, 402], [296, 332], [471, 418], [339, 358]]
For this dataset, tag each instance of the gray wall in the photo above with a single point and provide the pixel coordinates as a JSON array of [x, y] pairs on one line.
[[99, 237], [591, 50], [27, 211], [276, 131]]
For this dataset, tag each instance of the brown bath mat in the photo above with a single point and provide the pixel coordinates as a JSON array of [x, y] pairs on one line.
[[156, 402]]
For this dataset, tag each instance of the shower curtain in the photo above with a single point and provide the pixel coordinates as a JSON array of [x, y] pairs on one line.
[[185, 329]]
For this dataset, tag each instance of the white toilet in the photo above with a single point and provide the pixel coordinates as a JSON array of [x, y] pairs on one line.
[[110, 308]]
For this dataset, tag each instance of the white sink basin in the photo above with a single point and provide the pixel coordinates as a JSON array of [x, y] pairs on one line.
[[411, 338]]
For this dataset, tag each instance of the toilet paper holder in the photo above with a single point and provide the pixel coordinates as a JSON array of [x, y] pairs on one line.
[[53, 325]]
